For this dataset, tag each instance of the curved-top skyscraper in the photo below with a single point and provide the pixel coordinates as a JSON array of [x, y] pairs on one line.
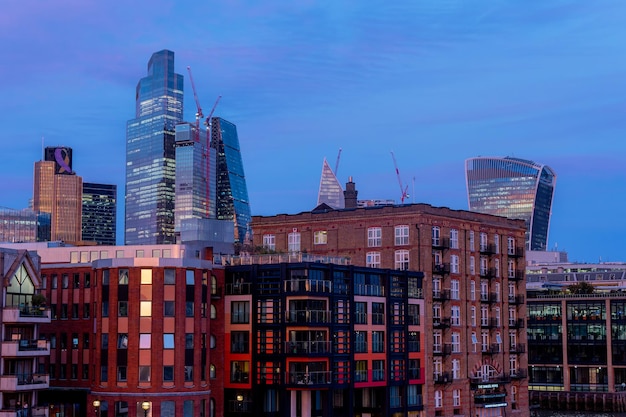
[[514, 188]]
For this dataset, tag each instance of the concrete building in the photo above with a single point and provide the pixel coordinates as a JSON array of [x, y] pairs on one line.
[[23, 351], [474, 309]]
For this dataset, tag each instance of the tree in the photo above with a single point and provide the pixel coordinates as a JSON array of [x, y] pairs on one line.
[[581, 288]]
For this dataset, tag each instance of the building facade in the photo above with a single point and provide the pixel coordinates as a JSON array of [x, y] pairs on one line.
[[322, 339], [23, 375], [232, 201], [99, 213], [330, 191], [150, 154], [58, 190], [24, 225], [513, 188], [577, 340], [474, 309]]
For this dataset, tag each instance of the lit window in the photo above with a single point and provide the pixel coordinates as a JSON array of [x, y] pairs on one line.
[[145, 308], [146, 276], [320, 237], [168, 340], [145, 340]]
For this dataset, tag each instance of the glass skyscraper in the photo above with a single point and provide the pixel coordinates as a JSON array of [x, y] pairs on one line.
[[150, 154], [99, 213], [26, 225], [513, 188], [231, 191]]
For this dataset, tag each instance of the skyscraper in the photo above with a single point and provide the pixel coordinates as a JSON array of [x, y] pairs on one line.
[[99, 213], [150, 155], [514, 188], [330, 191], [58, 190], [231, 191], [24, 225]]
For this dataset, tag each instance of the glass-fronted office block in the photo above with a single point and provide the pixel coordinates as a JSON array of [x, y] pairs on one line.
[[99, 213], [513, 188], [25, 225]]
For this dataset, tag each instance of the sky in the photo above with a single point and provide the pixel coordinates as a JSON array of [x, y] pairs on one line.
[[434, 81]]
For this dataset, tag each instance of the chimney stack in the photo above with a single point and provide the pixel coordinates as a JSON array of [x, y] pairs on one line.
[[349, 195]]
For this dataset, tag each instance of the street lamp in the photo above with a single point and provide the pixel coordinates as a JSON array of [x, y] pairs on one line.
[[146, 406], [96, 406], [239, 403]]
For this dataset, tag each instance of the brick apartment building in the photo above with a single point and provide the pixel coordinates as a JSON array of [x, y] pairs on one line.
[[473, 265]]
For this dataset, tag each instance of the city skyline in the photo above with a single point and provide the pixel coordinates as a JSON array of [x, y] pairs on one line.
[[436, 82]]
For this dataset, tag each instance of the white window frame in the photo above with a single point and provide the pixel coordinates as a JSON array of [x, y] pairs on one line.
[[438, 398], [455, 289], [484, 265], [473, 290], [456, 369], [496, 241], [374, 237], [496, 267], [472, 242], [401, 260], [372, 260], [473, 316], [472, 265], [511, 268], [510, 245], [483, 241], [269, 242], [456, 342], [454, 264], [294, 241], [402, 235], [455, 316], [454, 239], [436, 236], [320, 237], [456, 398]]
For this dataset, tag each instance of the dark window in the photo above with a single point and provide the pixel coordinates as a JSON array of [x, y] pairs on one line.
[[76, 280], [122, 308], [239, 342], [189, 309], [168, 308], [240, 312], [74, 311], [86, 310], [168, 373]]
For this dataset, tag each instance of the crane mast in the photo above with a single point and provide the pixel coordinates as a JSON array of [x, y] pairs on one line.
[[199, 114], [403, 190], [337, 163]]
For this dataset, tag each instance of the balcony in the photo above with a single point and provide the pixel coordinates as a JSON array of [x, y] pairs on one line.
[[489, 323], [442, 378], [308, 286], [216, 292], [369, 290], [492, 349], [516, 324], [441, 322], [441, 243], [489, 249], [441, 295], [27, 348], [518, 348], [488, 273], [442, 350], [240, 407], [519, 373], [239, 288], [516, 275], [310, 378], [490, 298], [36, 411], [441, 269], [516, 252], [307, 347], [24, 382], [516, 299], [17, 314], [307, 316]]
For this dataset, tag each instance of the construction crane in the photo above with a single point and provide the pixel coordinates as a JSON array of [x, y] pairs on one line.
[[199, 114], [207, 154], [404, 190], [337, 163]]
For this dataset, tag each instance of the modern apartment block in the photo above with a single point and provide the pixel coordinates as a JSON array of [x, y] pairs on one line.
[[58, 190], [130, 326], [514, 188], [322, 339], [473, 286], [150, 154], [23, 352], [577, 340], [99, 213]]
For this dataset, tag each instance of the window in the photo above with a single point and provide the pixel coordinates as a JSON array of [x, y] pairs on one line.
[[511, 268], [473, 316], [320, 237], [402, 235], [121, 373], [74, 311], [374, 237], [360, 371], [473, 290], [169, 277], [240, 312], [510, 246], [483, 242], [402, 260], [190, 277], [456, 342], [168, 308], [76, 280], [122, 308], [472, 265], [454, 289], [65, 281], [168, 373], [239, 342], [372, 260], [378, 313], [144, 374], [454, 264], [456, 369], [55, 280], [438, 398], [454, 239], [378, 342], [483, 265], [122, 341], [74, 340], [145, 308], [123, 277], [85, 340], [455, 318], [496, 267], [104, 341], [496, 241], [189, 308], [436, 236], [293, 240], [86, 310], [378, 370], [269, 242], [213, 311], [360, 341], [360, 313], [104, 373], [146, 276], [168, 340], [188, 373], [472, 244], [145, 340], [456, 398]]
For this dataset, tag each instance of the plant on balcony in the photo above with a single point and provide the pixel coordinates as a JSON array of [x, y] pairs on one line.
[[38, 300], [581, 288]]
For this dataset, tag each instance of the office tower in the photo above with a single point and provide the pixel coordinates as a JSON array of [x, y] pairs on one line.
[[24, 225], [473, 317], [150, 163], [58, 191], [191, 175], [99, 213], [330, 191], [514, 188], [231, 191], [24, 379]]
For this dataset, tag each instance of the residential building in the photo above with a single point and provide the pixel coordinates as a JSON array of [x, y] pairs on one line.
[[24, 225], [474, 309], [150, 154], [23, 375], [232, 201], [99, 213], [58, 190], [577, 339], [330, 191], [304, 337], [514, 188]]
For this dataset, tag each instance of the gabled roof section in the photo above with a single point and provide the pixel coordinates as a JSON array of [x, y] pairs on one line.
[[12, 262]]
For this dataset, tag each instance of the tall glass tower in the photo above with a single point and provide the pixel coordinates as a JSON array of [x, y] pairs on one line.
[[150, 154], [330, 191], [231, 191], [514, 188], [99, 213]]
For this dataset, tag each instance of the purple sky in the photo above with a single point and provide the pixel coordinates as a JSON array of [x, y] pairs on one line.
[[436, 81]]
